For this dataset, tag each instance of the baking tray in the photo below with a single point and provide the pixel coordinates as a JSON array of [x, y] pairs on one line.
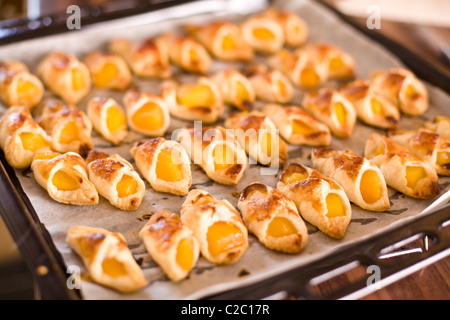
[[36, 239]]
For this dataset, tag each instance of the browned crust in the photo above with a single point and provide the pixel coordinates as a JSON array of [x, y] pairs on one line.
[[163, 226], [106, 168], [146, 149]]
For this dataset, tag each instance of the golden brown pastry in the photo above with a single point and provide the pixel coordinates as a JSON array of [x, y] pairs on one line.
[[427, 145], [171, 244], [216, 151], [108, 71], [163, 163], [193, 101], [148, 58], [235, 88], [331, 108], [18, 86], [107, 258], [69, 127], [270, 85], [294, 28], [440, 125], [21, 137], [320, 200], [263, 33], [361, 180], [217, 226], [371, 107], [338, 63], [66, 76], [108, 118], [273, 218], [116, 180], [224, 40], [403, 88], [302, 67], [402, 170], [187, 53], [297, 126], [146, 113], [258, 136], [64, 177]]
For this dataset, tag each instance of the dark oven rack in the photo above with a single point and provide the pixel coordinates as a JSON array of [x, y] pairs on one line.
[[428, 234]]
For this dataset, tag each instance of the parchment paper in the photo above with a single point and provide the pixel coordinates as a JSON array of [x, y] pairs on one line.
[[258, 262]]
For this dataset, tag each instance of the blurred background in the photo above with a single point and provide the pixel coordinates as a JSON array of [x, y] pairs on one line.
[[419, 27]]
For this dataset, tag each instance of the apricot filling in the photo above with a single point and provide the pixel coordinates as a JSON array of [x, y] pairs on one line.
[[224, 157], [115, 119], [411, 92], [336, 64], [224, 236], [281, 88], [69, 133], [33, 141], [193, 95], [185, 254], [414, 175], [242, 92], [266, 144], [166, 168], [377, 107], [341, 113], [26, 90], [380, 150], [106, 75], [126, 186], [263, 34], [47, 155], [228, 43], [114, 268], [299, 127], [280, 227], [65, 182], [370, 187], [309, 78], [442, 158], [78, 81], [294, 177], [335, 208], [442, 118], [148, 117]]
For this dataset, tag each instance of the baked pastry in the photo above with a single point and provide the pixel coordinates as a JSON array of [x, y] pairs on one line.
[[427, 145], [338, 63], [331, 108], [235, 88], [64, 177], [224, 40], [116, 180], [146, 113], [403, 88], [263, 33], [148, 58], [440, 125], [70, 128], [21, 137], [187, 53], [107, 258], [65, 76], [361, 180], [371, 107], [216, 151], [294, 27], [197, 101], [171, 244], [217, 226], [320, 200], [270, 85], [402, 170], [297, 126], [18, 86], [108, 118], [164, 164], [108, 71], [259, 137], [302, 67], [273, 218]]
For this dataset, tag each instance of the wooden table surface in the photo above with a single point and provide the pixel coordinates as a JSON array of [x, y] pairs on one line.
[[433, 281]]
